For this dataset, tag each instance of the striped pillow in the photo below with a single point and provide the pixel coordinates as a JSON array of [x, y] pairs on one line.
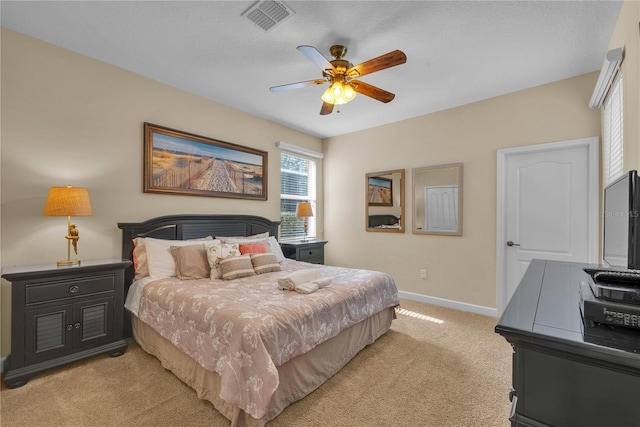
[[265, 263], [235, 267]]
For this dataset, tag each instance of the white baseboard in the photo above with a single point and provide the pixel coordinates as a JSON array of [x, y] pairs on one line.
[[462, 306]]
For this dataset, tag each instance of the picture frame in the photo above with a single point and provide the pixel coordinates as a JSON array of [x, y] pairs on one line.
[[177, 162], [379, 191]]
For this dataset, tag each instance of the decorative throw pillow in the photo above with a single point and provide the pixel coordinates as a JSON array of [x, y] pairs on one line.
[[236, 267], [191, 262], [264, 263], [140, 265], [257, 238], [159, 258], [253, 248], [217, 252]]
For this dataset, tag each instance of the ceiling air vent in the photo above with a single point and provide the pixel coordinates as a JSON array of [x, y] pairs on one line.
[[267, 14]]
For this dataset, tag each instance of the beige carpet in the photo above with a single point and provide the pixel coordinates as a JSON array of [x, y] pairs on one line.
[[435, 367]]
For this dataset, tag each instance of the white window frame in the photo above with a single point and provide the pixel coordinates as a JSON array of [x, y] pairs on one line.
[[311, 193]]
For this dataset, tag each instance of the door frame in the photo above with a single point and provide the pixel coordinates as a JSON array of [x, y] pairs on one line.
[[593, 203]]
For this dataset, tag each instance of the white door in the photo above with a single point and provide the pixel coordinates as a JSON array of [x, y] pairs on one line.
[[547, 208], [441, 208]]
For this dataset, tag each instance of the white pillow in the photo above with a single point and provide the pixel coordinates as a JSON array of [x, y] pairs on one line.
[[236, 239], [274, 246], [276, 249], [161, 262]]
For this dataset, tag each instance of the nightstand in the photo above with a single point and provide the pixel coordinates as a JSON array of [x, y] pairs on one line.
[[60, 315], [312, 251]]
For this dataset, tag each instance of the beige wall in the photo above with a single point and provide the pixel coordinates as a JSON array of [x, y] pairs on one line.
[[461, 268], [71, 120]]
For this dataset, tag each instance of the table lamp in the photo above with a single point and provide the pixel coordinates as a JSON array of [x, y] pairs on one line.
[[304, 210], [69, 201]]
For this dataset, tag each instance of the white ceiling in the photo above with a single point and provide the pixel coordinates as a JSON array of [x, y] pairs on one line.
[[458, 52]]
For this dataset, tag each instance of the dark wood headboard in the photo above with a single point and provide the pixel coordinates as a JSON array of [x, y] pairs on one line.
[[182, 227]]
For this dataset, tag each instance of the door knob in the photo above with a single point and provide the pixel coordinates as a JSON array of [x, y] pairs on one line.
[[510, 243]]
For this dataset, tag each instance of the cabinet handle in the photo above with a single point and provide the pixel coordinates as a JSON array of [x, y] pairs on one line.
[[77, 325], [73, 289], [69, 327]]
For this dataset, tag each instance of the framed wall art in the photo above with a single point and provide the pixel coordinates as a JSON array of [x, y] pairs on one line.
[[379, 191], [183, 163]]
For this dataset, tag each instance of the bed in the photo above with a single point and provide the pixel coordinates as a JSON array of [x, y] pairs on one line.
[[245, 344]]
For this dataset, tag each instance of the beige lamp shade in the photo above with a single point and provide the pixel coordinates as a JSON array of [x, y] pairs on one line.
[[68, 201], [304, 210]]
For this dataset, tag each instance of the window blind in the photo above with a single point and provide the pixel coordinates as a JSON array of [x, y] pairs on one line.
[[612, 132], [297, 184]]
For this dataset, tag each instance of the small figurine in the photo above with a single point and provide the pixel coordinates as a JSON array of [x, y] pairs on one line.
[[74, 237]]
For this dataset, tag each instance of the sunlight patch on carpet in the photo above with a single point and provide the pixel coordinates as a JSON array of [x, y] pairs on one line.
[[418, 316]]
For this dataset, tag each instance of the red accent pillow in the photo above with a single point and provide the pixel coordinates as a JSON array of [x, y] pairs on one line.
[[253, 248]]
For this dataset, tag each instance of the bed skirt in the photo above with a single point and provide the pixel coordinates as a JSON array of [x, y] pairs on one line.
[[298, 377]]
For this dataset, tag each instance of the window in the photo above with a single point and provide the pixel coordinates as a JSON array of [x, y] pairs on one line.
[[297, 184], [613, 165]]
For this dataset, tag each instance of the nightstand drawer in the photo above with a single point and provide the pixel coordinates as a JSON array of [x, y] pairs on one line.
[[310, 254], [47, 291]]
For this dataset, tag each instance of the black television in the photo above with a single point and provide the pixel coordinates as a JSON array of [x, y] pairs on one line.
[[622, 222]]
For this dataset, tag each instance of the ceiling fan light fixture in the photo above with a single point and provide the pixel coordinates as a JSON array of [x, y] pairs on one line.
[[338, 93], [340, 74]]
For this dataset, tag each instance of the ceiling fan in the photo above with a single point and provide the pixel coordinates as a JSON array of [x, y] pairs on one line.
[[342, 74]]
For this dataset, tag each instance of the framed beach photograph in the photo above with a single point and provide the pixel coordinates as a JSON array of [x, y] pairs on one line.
[[182, 163], [380, 191]]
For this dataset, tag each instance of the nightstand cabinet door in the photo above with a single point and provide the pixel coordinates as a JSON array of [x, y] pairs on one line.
[[58, 328], [93, 322], [49, 331]]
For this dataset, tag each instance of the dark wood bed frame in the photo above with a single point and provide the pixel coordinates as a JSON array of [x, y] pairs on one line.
[[182, 227]]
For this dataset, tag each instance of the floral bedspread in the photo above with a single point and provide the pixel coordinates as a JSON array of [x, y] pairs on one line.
[[242, 329]]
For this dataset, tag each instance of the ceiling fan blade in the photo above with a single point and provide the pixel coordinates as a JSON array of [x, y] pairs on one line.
[[388, 60], [298, 85], [372, 91], [326, 109], [317, 58]]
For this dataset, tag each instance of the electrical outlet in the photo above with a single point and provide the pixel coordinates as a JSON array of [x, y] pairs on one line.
[[423, 274]]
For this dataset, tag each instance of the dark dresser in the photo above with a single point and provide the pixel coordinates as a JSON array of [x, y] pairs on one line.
[[566, 372], [311, 251], [61, 315]]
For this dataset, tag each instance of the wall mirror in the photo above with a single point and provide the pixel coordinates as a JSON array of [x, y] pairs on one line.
[[437, 199], [384, 207]]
